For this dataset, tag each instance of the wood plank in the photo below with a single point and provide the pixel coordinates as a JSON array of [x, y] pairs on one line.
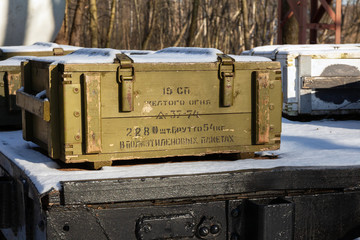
[[168, 187], [71, 104], [92, 112], [34, 105], [166, 67], [262, 122], [331, 82], [13, 84]]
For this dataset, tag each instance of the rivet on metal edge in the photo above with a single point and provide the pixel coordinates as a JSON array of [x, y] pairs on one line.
[[235, 212], [214, 229], [203, 231], [147, 228]]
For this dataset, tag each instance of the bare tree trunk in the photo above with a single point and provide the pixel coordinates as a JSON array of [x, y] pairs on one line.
[[111, 24], [138, 20], [94, 24], [209, 25], [62, 37], [182, 33], [265, 26], [193, 24], [152, 8], [246, 24], [272, 30], [230, 25], [217, 24], [290, 30], [76, 30]]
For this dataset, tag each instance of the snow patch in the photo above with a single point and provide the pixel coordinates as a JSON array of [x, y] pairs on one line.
[[316, 144], [15, 61], [36, 47], [244, 58], [180, 55], [41, 94]]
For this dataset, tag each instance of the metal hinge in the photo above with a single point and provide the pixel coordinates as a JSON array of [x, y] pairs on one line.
[[226, 76], [126, 83]]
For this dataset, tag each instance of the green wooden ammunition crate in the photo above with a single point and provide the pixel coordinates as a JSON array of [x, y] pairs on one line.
[[10, 81], [37, 49], [174, 102], [10, 75]]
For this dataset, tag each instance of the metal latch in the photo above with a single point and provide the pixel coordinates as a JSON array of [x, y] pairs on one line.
[[126, 83], [177, 226], [226, 76], [58, 51]]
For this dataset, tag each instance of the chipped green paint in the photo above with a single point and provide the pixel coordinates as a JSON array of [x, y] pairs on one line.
[[177, 110]]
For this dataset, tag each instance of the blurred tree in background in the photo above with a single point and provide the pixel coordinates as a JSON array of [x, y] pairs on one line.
[[229, 25]]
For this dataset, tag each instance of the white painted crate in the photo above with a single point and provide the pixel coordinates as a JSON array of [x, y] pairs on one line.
[[322, 79]]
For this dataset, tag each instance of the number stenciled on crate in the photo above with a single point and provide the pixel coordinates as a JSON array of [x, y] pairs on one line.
[[139, 131], [178, 90], [178, 113], [153, 130]]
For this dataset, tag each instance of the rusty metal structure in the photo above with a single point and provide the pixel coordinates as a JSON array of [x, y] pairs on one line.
[[300, 9]]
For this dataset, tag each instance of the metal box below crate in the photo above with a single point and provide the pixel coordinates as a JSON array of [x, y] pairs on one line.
[[174, 102], [301, 195]]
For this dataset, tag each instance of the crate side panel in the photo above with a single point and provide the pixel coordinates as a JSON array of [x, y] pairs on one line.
[[208, 132], [177, 92]]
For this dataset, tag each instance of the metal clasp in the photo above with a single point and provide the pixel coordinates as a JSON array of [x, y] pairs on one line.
[[58, 51], [226, 76], [126, 83]]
